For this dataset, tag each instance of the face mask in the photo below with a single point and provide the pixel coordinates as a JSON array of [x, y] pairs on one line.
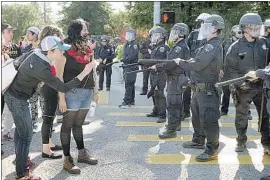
[[206, 30], [174, 35], [156, 37], [129, 36]]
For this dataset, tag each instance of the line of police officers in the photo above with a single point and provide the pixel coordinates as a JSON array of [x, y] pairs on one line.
[[198, 64]]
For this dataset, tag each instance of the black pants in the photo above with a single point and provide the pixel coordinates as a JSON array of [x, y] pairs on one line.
[[146, 75], [225, 99], [2, 103], [205, 115], [244, 98], [50, 104], [108, 70], [187, 100], [159, 81]]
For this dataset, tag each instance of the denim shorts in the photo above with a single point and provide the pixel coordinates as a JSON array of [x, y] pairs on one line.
[[79, 98]]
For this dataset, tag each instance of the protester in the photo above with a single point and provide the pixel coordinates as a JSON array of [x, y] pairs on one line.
[[77, 101], [34, 67], [10, 50]]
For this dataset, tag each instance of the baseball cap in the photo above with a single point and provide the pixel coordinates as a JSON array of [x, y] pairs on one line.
[[6, 26], [53, 42], [35, 30]]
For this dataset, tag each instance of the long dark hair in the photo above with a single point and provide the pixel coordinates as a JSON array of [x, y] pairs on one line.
[[74, 35]]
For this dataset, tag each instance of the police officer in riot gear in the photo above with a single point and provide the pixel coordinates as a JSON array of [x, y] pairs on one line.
[[130, 56], [106, 54], [205, 68], [158, 78], [145, 50], [176, 78], [194, 42], [236, 33], [267, 29], [248, 53]]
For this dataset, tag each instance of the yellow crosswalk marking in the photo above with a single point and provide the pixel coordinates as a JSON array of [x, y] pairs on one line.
[[228, 159], [179, 138], [104, 97], [132, 107], [144, 114], [184, 124]]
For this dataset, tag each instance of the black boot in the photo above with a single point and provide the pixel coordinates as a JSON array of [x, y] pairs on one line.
[[152, 114], [143, 93], [168, 133], [206, 157]]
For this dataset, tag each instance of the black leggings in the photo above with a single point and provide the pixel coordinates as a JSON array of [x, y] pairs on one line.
[[50, 104], [72, 120], [2, 103]]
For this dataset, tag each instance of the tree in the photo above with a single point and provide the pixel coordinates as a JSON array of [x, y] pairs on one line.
[[117, 23], [95, 12], [21, 17]]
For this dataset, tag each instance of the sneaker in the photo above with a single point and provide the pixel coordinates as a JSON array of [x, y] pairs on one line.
[[7, 137], [124, 106]]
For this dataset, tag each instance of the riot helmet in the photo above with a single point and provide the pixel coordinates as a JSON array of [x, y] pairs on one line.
[[236, 32], [131, 35], [210, 24], [105, 40], [179, 30], [202, 17], [251, 24]]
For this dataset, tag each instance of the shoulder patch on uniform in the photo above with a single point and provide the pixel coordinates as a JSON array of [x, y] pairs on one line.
[[162, 49], [264, 47], [208, 47], [135, 46], [177, 49]]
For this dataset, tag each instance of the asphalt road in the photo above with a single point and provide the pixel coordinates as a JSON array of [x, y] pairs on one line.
[[126, 145]]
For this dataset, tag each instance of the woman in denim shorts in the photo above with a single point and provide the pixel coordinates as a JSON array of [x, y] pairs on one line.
[[77, 100]]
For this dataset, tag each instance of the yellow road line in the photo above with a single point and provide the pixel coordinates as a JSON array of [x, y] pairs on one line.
[[132, 107], [179, 138], [104, 97], [222, 159], [184, 124], [144, 114]]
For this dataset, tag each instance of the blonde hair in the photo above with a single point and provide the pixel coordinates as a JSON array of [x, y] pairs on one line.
[[49, 31]]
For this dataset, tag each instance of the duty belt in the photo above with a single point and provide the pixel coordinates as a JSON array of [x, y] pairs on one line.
[[203, 87]]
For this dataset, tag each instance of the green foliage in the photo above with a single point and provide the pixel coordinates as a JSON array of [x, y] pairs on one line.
[[95, 12], [117, 23], [21, 17]]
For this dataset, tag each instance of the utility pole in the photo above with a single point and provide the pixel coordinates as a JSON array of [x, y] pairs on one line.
[[156, 12], [45, 15]]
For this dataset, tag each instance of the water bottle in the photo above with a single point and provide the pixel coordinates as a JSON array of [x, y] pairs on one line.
[[93, 109]]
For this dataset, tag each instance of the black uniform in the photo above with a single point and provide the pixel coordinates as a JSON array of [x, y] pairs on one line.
[[158, 81], [176, 79], [145, 54], [242, 57], [226, 91], [106, 52], [131, 52], [193, 44], [205, 69]]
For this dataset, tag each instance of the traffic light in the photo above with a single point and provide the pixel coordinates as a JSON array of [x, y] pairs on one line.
[[168, 17]]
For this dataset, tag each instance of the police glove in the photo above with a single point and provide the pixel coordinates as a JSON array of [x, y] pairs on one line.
[[177, 60], [104, 61], [251, 75], [149, 51]]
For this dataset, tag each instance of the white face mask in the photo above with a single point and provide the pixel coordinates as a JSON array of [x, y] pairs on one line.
[[156, 37], [130, 36], [206, 30], [174, 35], [255, 31]]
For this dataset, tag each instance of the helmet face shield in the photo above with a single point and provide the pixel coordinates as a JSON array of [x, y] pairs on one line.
[[156, 37], [174, 35], [206, 30], [130, 36], [255, 30]]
